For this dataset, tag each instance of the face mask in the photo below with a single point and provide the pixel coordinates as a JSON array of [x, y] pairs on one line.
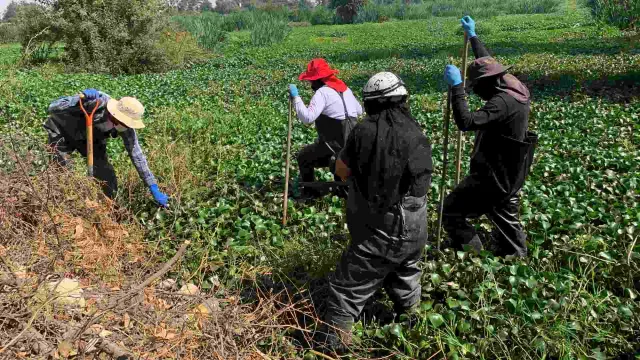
[[316, 85]]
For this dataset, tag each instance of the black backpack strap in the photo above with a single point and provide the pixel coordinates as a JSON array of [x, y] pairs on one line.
[[344, 103]]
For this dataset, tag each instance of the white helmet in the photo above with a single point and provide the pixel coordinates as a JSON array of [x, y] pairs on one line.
[[383, 84]]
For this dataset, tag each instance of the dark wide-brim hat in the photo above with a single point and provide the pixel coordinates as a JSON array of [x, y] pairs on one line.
[[485, 67]]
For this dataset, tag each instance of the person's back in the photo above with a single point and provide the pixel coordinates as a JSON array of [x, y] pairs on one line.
[[387, 160]]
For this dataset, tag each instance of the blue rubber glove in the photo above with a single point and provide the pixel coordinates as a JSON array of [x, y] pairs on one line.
[[452, 75], [469, 26], [293, 90], [91, 94], [160, 198]]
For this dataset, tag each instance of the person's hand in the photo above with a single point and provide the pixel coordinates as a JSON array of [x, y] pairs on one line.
[[91, 94], [293, 90], [452, 75], [161, 198], [469, 26]]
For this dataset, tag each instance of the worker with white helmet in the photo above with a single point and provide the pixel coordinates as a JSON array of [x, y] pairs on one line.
[[387, 160], [67, 133]]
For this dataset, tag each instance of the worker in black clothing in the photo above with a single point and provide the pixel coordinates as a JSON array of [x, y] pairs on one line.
[[501, 157], [387, 160]]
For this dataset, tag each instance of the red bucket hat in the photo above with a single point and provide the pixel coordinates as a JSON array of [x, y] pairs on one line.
[[317, 69]]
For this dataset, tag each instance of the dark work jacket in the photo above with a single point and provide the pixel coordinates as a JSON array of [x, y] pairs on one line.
[[67, 119], [503, 149]]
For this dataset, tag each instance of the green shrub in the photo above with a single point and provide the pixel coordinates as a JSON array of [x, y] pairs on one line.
[[269, 30], [367, 13], [319, 15], [117, 36], [624, 14], [533, 7], [181, 48], [207, 28], [9, 32]]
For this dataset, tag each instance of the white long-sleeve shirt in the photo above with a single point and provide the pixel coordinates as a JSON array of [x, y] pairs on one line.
[[326, 101]]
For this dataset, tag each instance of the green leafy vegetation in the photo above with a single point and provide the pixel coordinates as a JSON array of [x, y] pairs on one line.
[[215, 138], [113, 37], [622, 13]]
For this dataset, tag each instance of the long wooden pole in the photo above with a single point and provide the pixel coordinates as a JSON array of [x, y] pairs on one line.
[[286, 171], [465, 54], [445, 160]]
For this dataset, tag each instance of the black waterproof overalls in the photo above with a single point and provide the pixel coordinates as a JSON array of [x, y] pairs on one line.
[[386, 242]]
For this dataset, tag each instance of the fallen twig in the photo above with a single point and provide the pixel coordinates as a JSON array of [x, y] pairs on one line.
[[631, 251]]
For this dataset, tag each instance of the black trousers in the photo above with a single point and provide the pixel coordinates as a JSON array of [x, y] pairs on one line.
[[384, 253], [102, 168], [313, 156], [476, 196]]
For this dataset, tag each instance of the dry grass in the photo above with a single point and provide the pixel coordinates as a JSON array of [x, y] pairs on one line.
[[56, 224]]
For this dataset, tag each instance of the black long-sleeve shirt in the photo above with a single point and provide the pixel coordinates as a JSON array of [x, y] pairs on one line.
[[502, 113]]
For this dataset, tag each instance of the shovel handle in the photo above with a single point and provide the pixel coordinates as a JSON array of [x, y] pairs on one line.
[[285, 204], [88, 117], [445, 160]]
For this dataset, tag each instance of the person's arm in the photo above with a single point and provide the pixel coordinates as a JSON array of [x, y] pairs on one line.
[[479, 50], [493, 111], [130, 140], [347, 155], [310, 114], [469, 27]]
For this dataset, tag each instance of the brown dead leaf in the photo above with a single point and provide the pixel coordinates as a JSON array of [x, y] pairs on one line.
[[162, 333], [65, 349], [79, 231], [96, 329], [126, 320]]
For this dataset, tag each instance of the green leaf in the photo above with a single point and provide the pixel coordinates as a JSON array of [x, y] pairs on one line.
[[452, 303], [435, 279], [426, 305], [625, 311], [436, 320]]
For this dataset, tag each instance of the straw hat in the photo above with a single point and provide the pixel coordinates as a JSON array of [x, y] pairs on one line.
[[128, 111]]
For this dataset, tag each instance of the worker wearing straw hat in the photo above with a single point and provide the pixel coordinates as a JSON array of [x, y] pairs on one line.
[[67, 133], [502, 154], [334, 110]]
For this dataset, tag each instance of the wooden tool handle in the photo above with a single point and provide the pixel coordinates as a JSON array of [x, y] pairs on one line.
[[285, 204]]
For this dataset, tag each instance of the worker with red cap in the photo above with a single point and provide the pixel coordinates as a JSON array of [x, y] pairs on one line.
[[334, 110]]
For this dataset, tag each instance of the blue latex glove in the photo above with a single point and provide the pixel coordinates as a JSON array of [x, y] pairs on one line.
[[452, 75], [469, 26], [293, 90], [91, 94], [160, 198]]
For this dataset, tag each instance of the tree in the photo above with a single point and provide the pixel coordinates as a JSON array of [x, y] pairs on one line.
[[11, 11], [116, 36], [206, 6]]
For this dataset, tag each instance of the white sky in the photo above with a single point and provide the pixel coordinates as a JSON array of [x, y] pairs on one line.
[[3, 5]]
